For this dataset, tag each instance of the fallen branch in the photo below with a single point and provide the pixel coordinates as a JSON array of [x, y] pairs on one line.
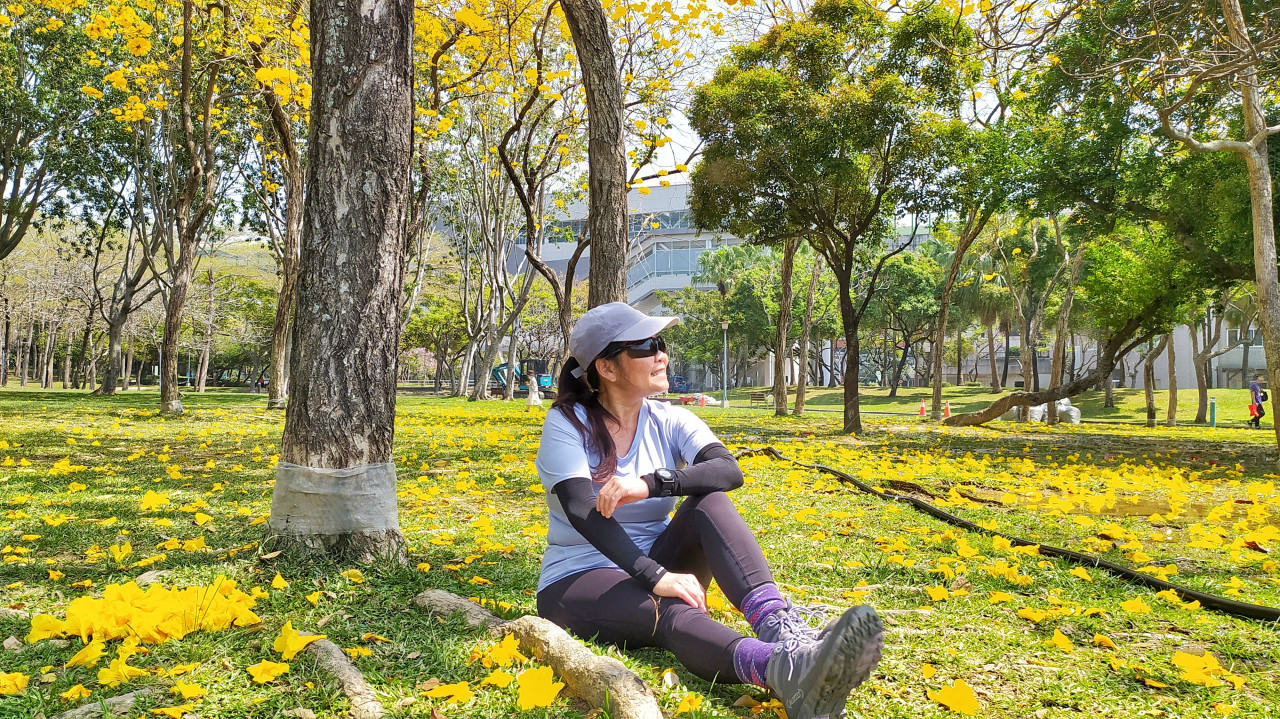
[[602, 682]]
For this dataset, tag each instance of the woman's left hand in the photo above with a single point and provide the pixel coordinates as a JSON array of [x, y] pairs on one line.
[[619, 491]]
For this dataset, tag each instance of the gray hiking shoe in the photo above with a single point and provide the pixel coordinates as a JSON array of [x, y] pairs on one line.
[[813, 679], [793, 622]]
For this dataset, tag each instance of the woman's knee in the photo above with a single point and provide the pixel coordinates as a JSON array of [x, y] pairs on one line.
[[714, 503]]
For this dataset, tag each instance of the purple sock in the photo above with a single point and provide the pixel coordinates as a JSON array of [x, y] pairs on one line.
[[751, 659], [760, 603]]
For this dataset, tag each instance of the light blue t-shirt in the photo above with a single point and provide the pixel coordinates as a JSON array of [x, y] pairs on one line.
[[666, 436]]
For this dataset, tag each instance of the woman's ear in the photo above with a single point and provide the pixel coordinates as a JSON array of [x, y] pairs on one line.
[[608, 369]]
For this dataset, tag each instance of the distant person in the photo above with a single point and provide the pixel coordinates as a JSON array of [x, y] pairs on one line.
[[620, 567], [1258, 395]]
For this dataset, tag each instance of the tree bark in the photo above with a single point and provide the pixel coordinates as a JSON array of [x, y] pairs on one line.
[[780, 354], [179, 285], [128, 366], [6, 340], [806, 329], [1149, 378], [1171, 416], [207, 349], [606, 151], [24, 355], [991, 356], [1202, 381], [335, 486]]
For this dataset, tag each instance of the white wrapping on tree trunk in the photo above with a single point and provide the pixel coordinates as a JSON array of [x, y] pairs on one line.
[[318, 500]]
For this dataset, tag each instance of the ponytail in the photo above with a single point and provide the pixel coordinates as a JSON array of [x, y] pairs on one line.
[[584, 390]]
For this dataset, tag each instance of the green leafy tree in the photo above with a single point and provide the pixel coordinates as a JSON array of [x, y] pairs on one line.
[[52, 138], [827, 127]]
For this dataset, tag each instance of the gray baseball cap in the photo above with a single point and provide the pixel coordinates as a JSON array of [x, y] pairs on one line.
[[613, 322]]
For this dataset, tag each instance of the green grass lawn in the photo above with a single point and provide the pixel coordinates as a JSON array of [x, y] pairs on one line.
[[1028, 635]]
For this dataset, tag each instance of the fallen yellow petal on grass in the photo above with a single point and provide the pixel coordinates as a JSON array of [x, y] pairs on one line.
[[174, 712], [266, 671], [1103, 640], [957, 697], [1032, 615], [355, 576], [937, 594], [1061, 641], [689, 703], [189, 691], [1136, 606], [538, 688], [89, 655], [279, 582], [75, 693], [498, 678], [118, 672], [928, 670], [13, 683], [1081, 573], [458, 693], [290, 642]]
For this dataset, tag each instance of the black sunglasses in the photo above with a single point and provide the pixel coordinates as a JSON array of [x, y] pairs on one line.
[[638, 349]]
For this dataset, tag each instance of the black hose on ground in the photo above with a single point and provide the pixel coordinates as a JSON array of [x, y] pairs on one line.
[[1209, 601]]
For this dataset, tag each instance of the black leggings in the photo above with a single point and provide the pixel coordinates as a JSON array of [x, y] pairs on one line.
[[706, 538]]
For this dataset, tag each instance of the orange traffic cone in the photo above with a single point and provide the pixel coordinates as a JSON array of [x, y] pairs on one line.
[[946, 408], [702, 400], [922, 408]]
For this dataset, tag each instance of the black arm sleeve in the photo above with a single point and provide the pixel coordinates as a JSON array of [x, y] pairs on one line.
[[605, 533], [713, 470]]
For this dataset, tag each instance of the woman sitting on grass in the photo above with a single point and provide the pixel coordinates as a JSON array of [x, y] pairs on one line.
[[620, 569]]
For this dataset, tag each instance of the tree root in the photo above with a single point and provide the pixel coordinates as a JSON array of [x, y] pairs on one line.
[[602, 682], [330, 658], [116, 706]]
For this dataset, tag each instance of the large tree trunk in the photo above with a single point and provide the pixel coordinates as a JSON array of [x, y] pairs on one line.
[[1171, 417], [66, 358], [6, 339], [1200, 360], [1149, 378], [281, 333], [806, 330], [780, 354], [287, 255], [606, 151], [128, 366], [991, 357], [207, 349], [335, 490], [82, 353], [27, 353], [179, 285], [115, 338], [901, 365]]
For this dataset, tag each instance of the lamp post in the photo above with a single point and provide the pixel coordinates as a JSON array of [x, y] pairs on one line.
[[724, 376]]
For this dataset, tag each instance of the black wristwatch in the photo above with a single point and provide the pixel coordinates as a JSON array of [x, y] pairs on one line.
[[664, 481]]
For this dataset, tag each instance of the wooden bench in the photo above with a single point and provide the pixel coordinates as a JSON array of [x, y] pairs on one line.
[[758, 398]]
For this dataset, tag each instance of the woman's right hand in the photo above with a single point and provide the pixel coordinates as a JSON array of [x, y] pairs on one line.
[[682, 586]]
